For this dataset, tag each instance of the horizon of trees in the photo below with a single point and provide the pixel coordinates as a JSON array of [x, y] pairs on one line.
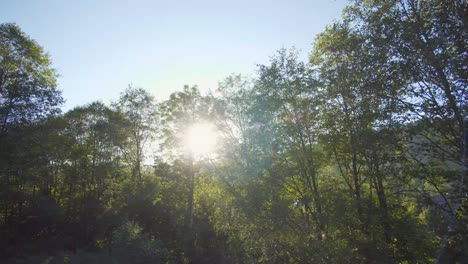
[[358, 155]]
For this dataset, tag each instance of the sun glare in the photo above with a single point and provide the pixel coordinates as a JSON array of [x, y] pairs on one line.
[[201, 139]]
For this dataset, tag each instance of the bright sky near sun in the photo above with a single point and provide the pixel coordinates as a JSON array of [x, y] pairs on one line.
[[100, 46]]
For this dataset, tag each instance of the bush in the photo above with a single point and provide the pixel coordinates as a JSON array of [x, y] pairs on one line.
[[130, 245]]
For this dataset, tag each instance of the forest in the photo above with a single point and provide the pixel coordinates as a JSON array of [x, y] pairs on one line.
[[357, 155]]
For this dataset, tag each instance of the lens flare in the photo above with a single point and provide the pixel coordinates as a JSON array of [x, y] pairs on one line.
[[201, 139]]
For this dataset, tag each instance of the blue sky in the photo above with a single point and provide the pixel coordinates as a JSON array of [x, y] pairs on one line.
[[99, 47]]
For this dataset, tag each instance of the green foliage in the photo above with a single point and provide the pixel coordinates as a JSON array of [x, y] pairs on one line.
[[139, 110], [353, 157], [130, 245], [27, 81]]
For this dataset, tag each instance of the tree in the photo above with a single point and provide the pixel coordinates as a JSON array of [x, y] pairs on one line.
[[27, 82], [140, 109], [426, 40], [287, 92], [356, 106], [178, 114], [28, 96], [94, 133]]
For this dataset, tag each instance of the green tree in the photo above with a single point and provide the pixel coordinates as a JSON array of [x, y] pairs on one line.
[[182, 111], [28, 95], [27, 82], [140, 109], [94, 134], [363, 119], [287, 92], [426, 40]]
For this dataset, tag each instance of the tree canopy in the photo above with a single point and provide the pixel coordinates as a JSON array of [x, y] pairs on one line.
[[357, 155], [27, 81]]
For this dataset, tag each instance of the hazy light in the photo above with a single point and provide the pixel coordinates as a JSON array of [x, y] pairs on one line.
[[201, 139]]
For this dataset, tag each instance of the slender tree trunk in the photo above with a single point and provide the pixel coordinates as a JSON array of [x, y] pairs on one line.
[[383, 208], [138, 157], [189, 236], [357, 192]]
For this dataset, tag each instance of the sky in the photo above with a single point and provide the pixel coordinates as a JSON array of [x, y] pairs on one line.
[[99, 47]]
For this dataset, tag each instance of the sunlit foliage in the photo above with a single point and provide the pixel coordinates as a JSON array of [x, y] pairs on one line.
[[358, 155]]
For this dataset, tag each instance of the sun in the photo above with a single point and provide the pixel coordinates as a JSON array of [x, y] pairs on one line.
[[201, 139]]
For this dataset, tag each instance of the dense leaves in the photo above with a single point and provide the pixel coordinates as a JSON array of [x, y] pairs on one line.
[[27, 82], [357, 156]]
